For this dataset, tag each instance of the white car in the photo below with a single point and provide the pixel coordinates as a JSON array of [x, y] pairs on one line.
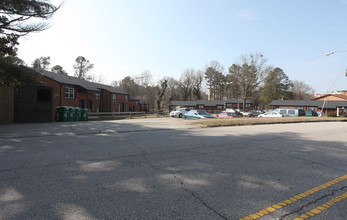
[[271, 114], [179, 112]]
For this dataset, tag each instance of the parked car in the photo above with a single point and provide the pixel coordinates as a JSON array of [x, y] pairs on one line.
[[197, 114], [291, 112], [255, 113], [311, 113], [228, 115], [271, 114], [245, 114], [236, 111], [179, 112]]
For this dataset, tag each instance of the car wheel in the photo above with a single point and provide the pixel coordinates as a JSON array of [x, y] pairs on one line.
[[180, 115]]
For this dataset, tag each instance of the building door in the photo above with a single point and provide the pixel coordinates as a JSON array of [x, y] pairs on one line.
[[81, 103], [90, 105]]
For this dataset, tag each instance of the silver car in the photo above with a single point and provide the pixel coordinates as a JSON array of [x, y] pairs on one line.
[[179, 112]]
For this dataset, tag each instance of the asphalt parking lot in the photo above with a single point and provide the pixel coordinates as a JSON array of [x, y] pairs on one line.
[[166, 168]]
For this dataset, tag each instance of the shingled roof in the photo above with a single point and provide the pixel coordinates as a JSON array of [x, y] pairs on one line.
[[71, 80], [111, 89]]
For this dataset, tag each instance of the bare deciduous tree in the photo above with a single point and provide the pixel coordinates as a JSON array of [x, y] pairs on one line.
[[247, 75], [185, 83], [302, 91], [197, 80]]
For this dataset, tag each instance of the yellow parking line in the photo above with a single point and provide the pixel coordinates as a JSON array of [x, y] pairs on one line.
[[323, 207], [296, 198]]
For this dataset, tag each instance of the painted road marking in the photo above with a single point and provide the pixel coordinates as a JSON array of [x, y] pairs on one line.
[[323, 207], [296, 198]]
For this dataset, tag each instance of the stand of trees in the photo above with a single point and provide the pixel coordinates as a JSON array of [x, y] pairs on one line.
[[15, 17]]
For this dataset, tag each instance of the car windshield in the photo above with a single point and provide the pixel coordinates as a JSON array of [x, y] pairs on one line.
[[203, 112]]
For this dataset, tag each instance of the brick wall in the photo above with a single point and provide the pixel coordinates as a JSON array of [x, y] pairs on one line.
[[73, 102], [81, 97], [106, 101], [56, 90], [134, 106], [86, 99], [120, 105]]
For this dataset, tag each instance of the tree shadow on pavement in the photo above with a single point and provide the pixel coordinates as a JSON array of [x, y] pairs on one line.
[[163, 173]]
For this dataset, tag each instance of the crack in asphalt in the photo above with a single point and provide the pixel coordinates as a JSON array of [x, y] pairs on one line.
[[157, 168], [331, 194], [198, 198], [307, 160]]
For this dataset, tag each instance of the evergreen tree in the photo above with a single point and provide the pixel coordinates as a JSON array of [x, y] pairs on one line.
[[276, 86]]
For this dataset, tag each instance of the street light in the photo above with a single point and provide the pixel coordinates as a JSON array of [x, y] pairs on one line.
[[332, 52]]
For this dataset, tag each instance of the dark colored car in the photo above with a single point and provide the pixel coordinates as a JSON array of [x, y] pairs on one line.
[[255, 113], [311, 113]]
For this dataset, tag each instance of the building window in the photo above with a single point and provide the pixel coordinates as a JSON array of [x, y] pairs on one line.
[[248, 105], [114, 98], [219, 107], [229, 105], [69, 93], [126, 98], [137, 103], [97, 95], [201, 106]]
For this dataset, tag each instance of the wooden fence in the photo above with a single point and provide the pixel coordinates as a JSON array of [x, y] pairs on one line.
[[6, 104]]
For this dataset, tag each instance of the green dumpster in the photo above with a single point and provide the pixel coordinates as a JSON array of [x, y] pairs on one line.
[[78, 114], [84, 114], [62, 113], [71, 115]]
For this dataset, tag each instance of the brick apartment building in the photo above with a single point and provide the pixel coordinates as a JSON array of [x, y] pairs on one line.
[[97, 97]]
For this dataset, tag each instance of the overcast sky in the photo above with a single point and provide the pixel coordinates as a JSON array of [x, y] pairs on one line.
[[127, 37]]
